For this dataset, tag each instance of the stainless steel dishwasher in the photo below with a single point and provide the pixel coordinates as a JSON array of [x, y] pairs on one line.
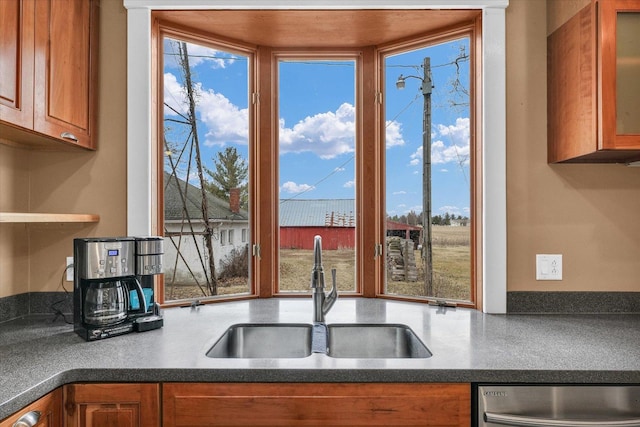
[[558, 406]]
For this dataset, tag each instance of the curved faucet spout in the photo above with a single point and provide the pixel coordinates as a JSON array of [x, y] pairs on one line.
[[333, 295], [321, 303]]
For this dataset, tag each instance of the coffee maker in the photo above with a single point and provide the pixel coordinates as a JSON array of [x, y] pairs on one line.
[[110, 297]]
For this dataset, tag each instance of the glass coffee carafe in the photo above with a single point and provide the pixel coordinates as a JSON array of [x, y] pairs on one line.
[[107, 302]]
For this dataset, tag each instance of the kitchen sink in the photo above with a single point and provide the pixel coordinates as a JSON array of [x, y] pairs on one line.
[[384, 341], [298, 340], [264, 340]]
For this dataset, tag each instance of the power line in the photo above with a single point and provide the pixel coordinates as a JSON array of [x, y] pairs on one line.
[[333, 172]]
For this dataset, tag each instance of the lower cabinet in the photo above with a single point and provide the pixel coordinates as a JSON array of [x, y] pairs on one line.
[[249, 404], [44, 412], [109, 405], [326, 404]]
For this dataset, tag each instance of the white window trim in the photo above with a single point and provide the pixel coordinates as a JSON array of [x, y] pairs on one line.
[[494, 203]]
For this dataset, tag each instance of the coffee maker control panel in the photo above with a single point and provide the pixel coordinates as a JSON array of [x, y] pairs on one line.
[[107, 258]]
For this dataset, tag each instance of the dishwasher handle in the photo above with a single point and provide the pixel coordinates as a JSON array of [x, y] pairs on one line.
[[524, 421]]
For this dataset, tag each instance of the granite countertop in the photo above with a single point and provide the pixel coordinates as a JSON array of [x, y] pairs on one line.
[[38, 355]]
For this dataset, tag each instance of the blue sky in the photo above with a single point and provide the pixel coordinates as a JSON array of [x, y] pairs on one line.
[[317, 124]]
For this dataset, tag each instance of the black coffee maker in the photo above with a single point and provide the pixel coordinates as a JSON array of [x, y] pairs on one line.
[[109, 298]]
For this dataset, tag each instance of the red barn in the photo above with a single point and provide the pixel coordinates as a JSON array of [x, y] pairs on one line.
[[405, 231], [333, 219]]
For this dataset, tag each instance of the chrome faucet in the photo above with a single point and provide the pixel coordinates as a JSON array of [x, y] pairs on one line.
[[321, 303]]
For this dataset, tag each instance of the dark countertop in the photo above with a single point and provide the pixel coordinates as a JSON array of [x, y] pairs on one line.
[[37, 356]]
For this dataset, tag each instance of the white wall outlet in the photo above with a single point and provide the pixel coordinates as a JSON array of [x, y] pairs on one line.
[[548, 267], [69, 276]]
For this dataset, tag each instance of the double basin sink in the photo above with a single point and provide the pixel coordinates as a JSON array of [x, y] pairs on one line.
[[298, 340]]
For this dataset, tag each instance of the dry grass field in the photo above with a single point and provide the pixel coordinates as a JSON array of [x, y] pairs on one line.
[[451, 270], [451, 267]]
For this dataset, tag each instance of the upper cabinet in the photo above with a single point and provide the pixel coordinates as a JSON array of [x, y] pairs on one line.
[[16, 62], [48, 54], [593, 91]]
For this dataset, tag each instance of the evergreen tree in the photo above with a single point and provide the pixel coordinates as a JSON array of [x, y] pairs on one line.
[[447, 219], [230, 171]]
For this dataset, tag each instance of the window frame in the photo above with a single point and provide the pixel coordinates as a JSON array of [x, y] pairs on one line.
[[160, 30], [472, 30], [140, 111], [319, 54]]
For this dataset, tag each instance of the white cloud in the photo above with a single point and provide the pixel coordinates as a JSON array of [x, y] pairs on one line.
[[459, 132], [395, 193], [198, 55], [393, 134], [326, 134], [454, 210], [456, 151], [329, 134], [292, 187], [458, 136], [416, 157], [349, 184], [224, 122], [416, 209], [441, 153], [174, 96]]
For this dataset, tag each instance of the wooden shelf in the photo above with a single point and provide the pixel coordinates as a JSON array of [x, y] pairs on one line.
[[21, 217]]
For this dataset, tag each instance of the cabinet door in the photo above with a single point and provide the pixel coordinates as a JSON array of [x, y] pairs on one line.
[[316, 404], [65, 69], [16, 62], [619, 32], [107, 405], [49, 407]]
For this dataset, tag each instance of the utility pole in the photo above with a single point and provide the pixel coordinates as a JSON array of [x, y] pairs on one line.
[[425, 87], [427, 258]]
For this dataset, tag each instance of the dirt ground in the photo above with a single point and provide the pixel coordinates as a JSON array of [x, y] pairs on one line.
[[451, 265]]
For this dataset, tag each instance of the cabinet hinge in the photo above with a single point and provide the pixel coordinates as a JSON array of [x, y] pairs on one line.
[[255, 98], [256, 250], [378, 99]]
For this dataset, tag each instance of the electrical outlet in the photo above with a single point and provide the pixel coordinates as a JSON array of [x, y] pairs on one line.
[[548, 267], [69, 277]]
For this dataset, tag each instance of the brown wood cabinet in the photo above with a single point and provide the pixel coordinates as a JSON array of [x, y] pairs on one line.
[[106, 405], [593, 90], [48, 84], [16, 62], [365, 404], [49, 408]]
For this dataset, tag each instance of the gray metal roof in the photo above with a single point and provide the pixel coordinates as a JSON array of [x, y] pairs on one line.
[[317, 213], [176, 189]]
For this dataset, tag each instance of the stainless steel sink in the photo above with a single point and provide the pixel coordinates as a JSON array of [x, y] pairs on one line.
[[384, 341], [298, 340], [268, 341]]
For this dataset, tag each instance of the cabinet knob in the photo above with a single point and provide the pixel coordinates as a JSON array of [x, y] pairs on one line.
[[69, 135], [29, 419]]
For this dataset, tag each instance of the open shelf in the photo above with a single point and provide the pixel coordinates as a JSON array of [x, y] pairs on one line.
[[22, 217]]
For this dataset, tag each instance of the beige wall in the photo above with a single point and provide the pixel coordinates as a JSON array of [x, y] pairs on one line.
[[14, 188], [588, 213], [33, 256]]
